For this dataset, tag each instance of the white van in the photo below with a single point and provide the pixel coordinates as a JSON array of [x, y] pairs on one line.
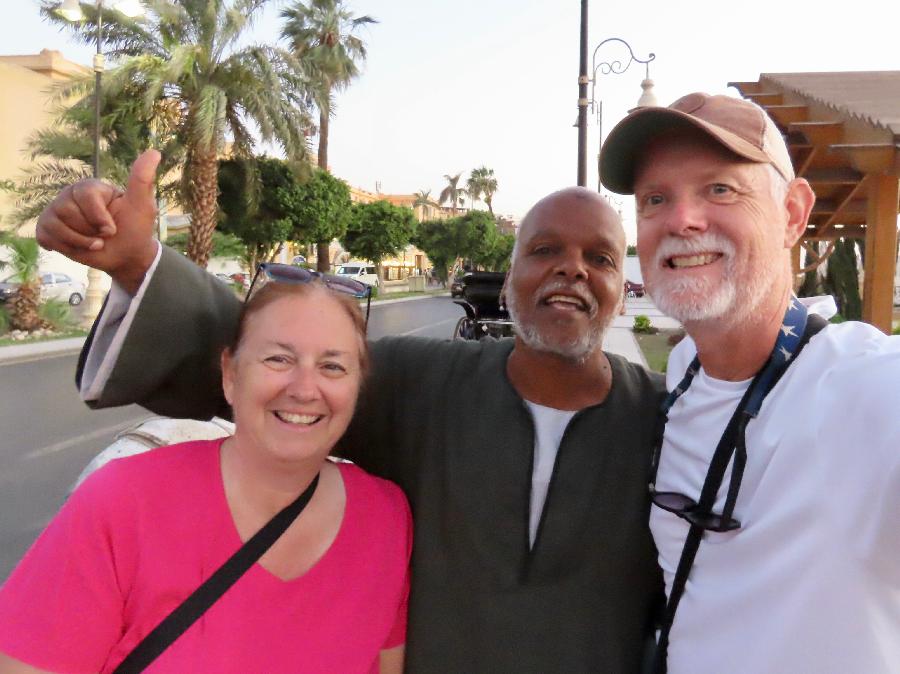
[[360, 271]]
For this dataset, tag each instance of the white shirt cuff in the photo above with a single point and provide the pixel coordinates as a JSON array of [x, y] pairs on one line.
[[110, 334]]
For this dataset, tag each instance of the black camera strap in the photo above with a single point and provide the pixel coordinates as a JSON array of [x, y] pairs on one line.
[[732, 443], [186, 614]]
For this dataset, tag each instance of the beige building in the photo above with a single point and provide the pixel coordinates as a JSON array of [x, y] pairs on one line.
[[26, 82]]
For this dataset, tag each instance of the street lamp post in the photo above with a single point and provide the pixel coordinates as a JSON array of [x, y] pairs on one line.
[[616, 67], [582, 97], [71, 10]]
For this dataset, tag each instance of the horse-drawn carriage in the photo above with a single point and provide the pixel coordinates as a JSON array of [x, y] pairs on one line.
[[486, 316]]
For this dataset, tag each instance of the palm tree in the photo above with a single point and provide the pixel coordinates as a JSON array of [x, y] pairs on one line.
[[62, 153], [322, 35], [186, 52], [473, 187], [423, 199], [23, 308], [452, 193], [483, 181]]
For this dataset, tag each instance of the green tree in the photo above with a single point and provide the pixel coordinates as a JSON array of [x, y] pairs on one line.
[[321, 209], [323, 34], [223, 245], [24, 259], [631, 250], [445, 241], [378, 230], [842, 279], [496, 253], [453, 193], [186, 53], [255, 205]]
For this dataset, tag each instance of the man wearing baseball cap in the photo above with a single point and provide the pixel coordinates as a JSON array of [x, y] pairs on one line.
[[776, 484]]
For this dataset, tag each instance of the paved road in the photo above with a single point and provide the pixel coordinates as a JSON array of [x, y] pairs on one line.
[[47, 435]]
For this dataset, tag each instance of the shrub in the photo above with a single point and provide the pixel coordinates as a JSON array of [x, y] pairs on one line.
[[642, 324], [4, 321], [896, 330], [57, 315], [837, 318]]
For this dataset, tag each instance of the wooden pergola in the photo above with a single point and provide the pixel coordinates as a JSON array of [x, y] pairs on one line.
[[843, 133]]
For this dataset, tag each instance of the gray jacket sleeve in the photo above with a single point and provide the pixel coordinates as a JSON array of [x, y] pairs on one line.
[[169, 361]]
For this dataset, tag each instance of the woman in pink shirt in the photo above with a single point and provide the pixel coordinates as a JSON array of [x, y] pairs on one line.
[[141, 534]]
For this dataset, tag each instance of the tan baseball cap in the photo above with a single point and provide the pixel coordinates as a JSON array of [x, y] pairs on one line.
[[741, 126]]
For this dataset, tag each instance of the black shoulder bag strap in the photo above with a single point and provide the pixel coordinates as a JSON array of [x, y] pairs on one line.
[[733, 433], [186, 614]]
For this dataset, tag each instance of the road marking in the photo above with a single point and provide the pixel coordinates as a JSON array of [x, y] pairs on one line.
[[427, 327], [65, 444]]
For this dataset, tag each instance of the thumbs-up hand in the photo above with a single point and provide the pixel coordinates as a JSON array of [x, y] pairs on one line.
[[99, 225]]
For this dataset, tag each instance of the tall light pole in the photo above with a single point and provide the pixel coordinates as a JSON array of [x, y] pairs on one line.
[[71, 10], [616, 67], [582, 97]]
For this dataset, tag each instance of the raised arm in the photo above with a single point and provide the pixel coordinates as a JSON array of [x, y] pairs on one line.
[[165, 351], [168, 357]]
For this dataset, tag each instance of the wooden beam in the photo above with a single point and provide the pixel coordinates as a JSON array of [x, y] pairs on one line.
[[818, 132], [836, 232], [881, 250], [833, 176], [871, 157], [766, 98], [786, 115], [851, 192], [745, 88], [842, 207], [803, 160]]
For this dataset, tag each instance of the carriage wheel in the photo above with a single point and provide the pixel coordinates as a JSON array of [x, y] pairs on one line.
[[463, 329]]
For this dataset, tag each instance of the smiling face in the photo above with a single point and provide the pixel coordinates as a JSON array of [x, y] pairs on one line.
[[565, 282], [294, 379], [713, 230]]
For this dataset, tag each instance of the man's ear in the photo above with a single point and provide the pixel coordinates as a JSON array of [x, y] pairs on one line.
[[798, 203]]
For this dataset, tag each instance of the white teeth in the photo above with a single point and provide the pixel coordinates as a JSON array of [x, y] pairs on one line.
[[693, 260], [305, 419], [566, 299]]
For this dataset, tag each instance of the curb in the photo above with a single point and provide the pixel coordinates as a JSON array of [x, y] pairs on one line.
[[22, 353], [387, 300]]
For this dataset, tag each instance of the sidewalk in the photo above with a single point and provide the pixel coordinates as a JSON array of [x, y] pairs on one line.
[[620, 338], [18, 353]]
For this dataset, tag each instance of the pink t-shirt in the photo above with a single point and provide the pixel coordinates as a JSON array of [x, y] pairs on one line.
[[145, 531]]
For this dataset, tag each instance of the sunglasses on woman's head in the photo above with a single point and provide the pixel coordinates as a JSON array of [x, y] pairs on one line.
[[268, 272]]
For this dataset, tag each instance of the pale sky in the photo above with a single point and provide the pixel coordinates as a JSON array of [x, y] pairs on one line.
[[450, 86]]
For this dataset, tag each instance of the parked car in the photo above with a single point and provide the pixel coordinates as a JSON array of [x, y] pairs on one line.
[[359, 271], [456, 287], [54, 286], [298, 260], [634, 289]]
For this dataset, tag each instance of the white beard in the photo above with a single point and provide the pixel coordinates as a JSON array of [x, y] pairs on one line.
[[578, 349], [703, 299]]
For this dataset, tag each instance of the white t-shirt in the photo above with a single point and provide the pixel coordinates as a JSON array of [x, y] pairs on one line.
[[549, 426], [811, 581]]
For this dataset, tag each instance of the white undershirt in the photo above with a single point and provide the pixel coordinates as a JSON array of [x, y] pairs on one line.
[[549, 426]]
